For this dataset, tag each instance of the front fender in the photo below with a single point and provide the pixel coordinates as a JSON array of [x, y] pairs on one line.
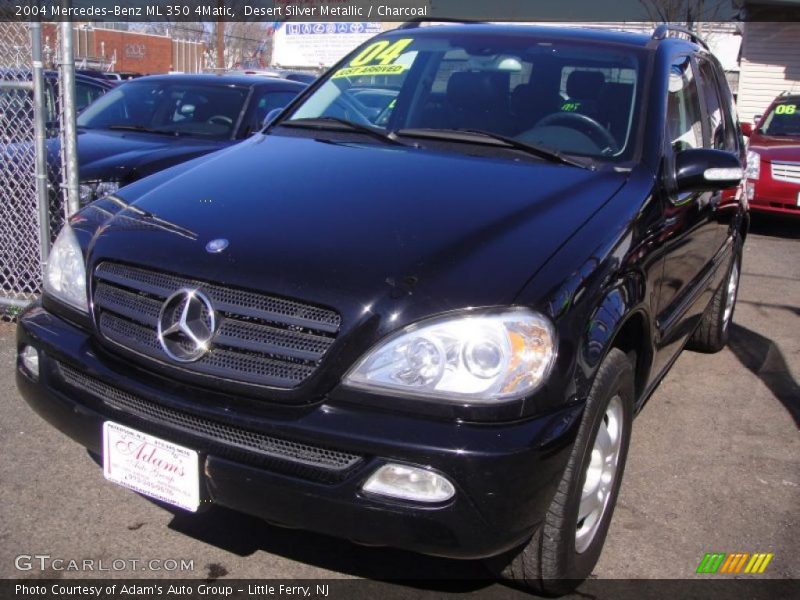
[[622, 319], [600, 285]]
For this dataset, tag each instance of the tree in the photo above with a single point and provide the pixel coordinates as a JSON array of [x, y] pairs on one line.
[[245, 42], [691, 12]]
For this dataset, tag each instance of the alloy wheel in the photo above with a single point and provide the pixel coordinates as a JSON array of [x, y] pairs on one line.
[[601, 474]]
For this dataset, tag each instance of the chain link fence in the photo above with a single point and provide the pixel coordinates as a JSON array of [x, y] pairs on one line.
[[30, 214]]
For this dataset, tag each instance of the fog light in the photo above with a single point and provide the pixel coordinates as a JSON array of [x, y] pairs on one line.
[[409, 483], [30, 360]]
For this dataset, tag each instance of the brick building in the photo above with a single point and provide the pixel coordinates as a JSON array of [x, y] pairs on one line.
[[110, 49]]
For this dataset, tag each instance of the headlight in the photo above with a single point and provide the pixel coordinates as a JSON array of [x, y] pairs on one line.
[[484, 358], [65, 275], [90, 191], [753, 170]]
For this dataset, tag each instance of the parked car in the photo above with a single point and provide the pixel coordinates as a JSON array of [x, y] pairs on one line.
[[95, 74], [773, 158], [429, 329], [151, 123], [299, 76], [121, 75], [16, 104]]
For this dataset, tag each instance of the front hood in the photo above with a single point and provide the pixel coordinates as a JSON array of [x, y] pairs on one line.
[[406, 231], [777, 148], [125, 156]]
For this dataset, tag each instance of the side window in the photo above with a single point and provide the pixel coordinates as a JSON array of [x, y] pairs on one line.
[[721, 129], [85, 94], [267, 102], [684, 124]]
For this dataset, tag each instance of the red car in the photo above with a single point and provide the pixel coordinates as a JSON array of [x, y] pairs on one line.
[[773, 158]]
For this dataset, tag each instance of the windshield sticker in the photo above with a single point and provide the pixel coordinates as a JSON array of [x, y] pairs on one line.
[[570, 106], [377, 59], [370, 70], [785, 109]]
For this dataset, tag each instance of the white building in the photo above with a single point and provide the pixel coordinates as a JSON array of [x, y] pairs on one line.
[[770, 59]]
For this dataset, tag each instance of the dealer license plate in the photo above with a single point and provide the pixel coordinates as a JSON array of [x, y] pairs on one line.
[[151, 466]]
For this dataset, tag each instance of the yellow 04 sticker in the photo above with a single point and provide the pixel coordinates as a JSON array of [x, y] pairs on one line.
[[377, 59]]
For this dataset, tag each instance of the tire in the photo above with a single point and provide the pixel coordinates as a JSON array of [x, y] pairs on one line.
[[712, 333], [560, 555]]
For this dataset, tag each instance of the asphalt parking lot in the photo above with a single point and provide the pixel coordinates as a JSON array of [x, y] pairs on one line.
[[714, 466]]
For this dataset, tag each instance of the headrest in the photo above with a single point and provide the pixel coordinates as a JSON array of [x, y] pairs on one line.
[[585, 85], [522, 98], [485, 90]]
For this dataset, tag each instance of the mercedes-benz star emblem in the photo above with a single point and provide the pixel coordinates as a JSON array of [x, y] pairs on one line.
[[217, 246], [186, 326]]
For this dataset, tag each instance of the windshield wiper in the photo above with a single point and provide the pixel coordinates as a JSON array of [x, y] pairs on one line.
[[142, 128], [478, 136], [336, 123]]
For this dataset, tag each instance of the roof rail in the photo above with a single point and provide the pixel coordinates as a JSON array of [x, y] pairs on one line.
[[662, 32], [417, 22]]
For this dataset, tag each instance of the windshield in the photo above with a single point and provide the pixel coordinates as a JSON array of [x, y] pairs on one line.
[[568, 97], [784, 119], [168, 107]]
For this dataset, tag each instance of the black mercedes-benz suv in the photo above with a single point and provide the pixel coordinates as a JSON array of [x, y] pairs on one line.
[[421, 308]]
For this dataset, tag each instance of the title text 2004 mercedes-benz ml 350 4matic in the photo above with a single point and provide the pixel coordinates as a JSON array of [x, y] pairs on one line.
[[422, 307]]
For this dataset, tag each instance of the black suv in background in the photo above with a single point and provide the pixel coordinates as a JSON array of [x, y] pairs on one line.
[[16, 104], [426, 325]]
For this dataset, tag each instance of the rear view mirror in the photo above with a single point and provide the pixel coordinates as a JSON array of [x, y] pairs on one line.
[[701, 169], [271, 116]]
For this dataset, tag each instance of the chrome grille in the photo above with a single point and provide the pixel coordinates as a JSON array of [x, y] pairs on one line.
[[786, 171], [230, 437], [261, 340]]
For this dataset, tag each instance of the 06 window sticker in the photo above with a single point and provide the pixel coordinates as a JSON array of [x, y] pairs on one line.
[[786, 109]]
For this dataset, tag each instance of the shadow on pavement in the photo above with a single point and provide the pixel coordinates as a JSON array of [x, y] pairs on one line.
[[774, 226], [786, 307], [764, 359], [244, 535]]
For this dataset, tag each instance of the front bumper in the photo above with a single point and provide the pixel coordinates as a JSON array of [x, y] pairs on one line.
[[505, 474], [773, 196]]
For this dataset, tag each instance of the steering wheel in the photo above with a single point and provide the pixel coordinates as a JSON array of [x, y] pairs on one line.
[[584, 124], [220, 120], [353, 110]]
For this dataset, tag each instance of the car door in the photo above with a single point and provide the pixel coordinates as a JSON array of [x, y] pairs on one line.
[[690, 229]]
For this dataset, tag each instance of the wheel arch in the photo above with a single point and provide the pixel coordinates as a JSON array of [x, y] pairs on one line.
[[621, 320], [634, 339]]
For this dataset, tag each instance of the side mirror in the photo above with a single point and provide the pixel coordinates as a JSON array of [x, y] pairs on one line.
[[271, 116], [747, 129], [703, 170], [756, 119]]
